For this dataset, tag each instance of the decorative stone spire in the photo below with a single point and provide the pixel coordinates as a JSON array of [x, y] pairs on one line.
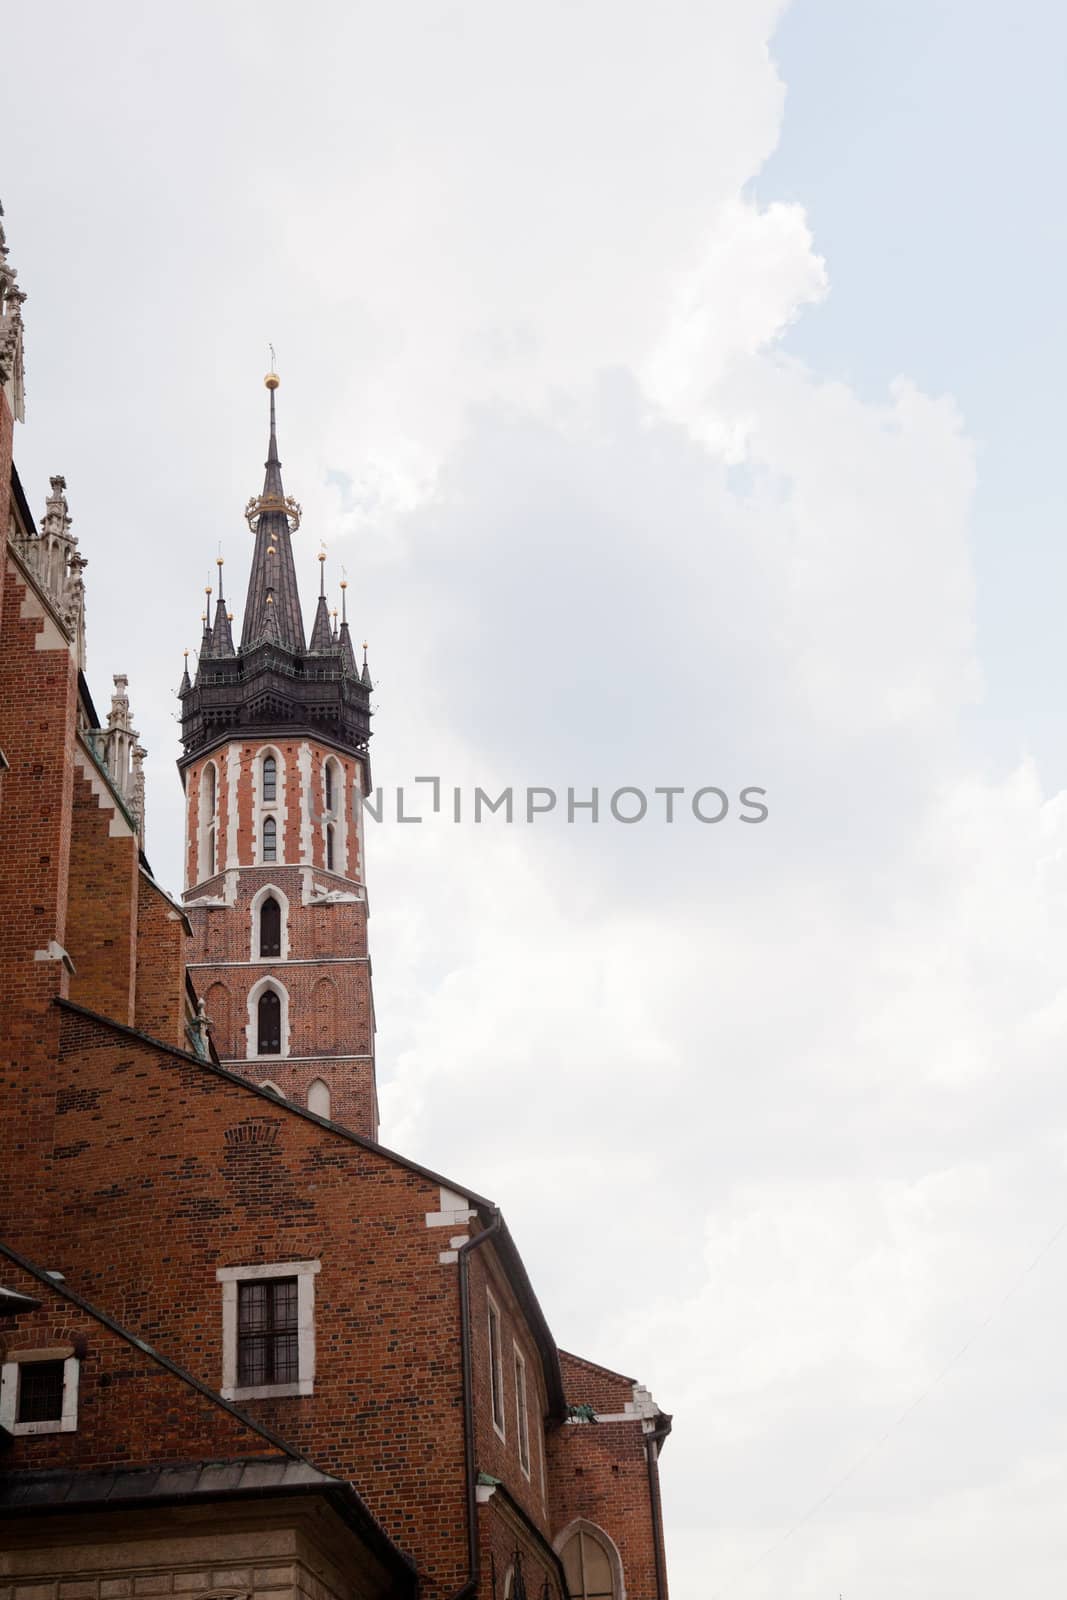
[[123, 753], [344, 638], [321, 637], [53, 558], [272, 610], [364, 677], [205, 625], [221, 636], [12, 372], [186, 683]]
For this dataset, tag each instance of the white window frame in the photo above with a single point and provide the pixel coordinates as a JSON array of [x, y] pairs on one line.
[[496, 1367], [304, 1272], [67, 1422], [276, 808], [336, 815], [207, 845], [267, 892], [252, 1052], [522, 1409]]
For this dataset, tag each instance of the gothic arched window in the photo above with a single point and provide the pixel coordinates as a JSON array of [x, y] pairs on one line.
[[269, 1023], [270, 928], [587, 1568], [330, 832], [270, 839], [270, 778], [329, 786]]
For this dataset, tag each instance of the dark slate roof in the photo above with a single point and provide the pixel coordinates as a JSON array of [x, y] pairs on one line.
[[322, 638], [120, 1485], [272, 609]]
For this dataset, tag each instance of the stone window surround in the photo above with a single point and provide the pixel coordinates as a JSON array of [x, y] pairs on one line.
[[262, 809], [304, 1272], [335, 814], [522, 1408], [9, 1389], [207, 848], [252, 1052], [594, 1531], [265, 893], [496, 1366]]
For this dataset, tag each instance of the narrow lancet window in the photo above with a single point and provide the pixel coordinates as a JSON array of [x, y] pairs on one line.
[[270, 839], [270, 928], [269, 1023], [270, 779], [329, 847], [329, 785]]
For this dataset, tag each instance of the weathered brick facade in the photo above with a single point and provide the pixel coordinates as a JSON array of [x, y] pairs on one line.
[[416, 1393], [321, 970]]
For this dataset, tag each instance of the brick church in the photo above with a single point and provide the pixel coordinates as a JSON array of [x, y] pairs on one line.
[[245, 1349]]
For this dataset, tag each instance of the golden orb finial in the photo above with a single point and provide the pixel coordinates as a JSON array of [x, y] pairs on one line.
[[322, 555], [272, 380], [218, 561], [344, 583]]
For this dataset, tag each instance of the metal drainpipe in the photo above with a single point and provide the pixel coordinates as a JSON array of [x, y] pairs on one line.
[[653, 1439], [473, 1563]]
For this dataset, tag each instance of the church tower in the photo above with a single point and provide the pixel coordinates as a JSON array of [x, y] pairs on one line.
[[275, 765]]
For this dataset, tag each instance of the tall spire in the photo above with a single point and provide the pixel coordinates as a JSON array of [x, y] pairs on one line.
[[344, 638], [272, 610], [321, 638], [221, 637]]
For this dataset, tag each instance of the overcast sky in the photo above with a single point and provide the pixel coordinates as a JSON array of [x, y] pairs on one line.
[[681, 388]]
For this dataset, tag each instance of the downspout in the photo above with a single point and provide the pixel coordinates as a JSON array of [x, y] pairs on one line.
[[652, 1442], [473, 1563]]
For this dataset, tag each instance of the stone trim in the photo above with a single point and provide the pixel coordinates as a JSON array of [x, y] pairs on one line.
[[304, 1272], [9, 1390]]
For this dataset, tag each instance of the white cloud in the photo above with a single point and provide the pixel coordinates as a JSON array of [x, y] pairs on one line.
[[776, 1112]]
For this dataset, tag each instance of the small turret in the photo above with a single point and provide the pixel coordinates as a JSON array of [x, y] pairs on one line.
[[57, 564]]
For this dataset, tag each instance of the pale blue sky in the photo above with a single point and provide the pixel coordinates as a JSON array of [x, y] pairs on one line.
[[926, 140]]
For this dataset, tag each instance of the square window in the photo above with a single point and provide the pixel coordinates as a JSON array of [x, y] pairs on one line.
[[40, 1391], [39, 1395], [268, 1329], [266, 1332]]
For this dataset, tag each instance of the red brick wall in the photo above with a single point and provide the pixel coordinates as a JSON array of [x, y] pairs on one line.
[[102, 901], [132, 1412], [37, 708], [288, 807], [590, 1385], [169, 1170], [599, 1472], [326, 972], [159, 1003], [502, 1537], [500, 1457]]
